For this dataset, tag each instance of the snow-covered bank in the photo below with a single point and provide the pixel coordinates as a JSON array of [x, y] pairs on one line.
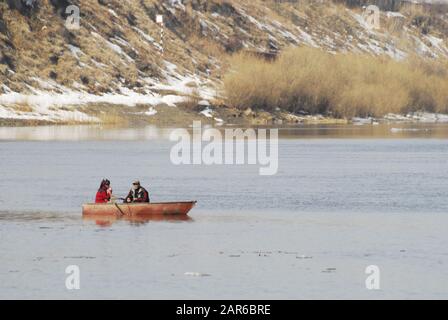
[[420, 117], [50, 106], [56, 103]]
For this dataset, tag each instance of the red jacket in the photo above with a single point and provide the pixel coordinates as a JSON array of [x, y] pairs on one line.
[[102, 196]]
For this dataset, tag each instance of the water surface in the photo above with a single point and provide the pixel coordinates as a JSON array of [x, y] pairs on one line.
[[338, 204]]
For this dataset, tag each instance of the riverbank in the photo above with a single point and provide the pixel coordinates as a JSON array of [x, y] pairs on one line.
[[182, 115]]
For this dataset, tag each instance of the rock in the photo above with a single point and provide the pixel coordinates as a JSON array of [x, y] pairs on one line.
[[357, 120], [395, 117], [264, 117], [7, 60], [25, 7], [248, 112], [132, 19], [278, 121], [3, 28], [204, 103], [54, 59], [85, 80]]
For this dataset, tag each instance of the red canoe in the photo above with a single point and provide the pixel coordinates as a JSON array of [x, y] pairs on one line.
[[138, 209]]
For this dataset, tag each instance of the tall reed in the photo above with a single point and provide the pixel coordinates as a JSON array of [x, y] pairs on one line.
[[343, 85]]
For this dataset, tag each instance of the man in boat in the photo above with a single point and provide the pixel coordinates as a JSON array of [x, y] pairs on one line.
[[104, 193], [137, 194]]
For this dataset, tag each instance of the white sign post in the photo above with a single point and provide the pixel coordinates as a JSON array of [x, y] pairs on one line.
[[159, 20]]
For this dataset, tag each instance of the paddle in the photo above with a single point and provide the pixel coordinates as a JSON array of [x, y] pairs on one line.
[[119, 209]]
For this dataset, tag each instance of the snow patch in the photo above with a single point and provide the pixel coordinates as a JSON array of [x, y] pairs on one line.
[[76, 52], [307, 38], [392, 14], [113, 13], [151, 112], [207, 113], [116, 48], [46, 104]]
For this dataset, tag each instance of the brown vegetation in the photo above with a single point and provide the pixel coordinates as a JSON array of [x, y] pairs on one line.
[[305, 80]]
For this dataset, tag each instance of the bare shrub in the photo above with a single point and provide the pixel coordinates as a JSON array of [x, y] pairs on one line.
[[313, 81]]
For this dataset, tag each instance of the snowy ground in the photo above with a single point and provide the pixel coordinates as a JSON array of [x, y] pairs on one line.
[[51, 100]]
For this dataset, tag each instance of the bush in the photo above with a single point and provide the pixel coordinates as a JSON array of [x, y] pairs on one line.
[[25, 7], [344, 85]]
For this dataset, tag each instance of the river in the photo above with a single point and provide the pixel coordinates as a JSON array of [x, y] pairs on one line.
[[344, 198]]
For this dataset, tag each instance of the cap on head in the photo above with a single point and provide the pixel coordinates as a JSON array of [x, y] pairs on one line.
[[136, 182]]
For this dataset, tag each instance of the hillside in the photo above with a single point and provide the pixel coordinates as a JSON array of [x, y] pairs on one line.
[[114, 66]]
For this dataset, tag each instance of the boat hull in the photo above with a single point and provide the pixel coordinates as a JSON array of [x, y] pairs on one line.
[[138, 209]]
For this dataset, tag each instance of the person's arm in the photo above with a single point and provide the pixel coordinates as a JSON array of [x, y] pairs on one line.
[[147, 196], [129, 197]]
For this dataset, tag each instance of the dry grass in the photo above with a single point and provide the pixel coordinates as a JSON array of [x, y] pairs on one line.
[[39, 38], [207, 46], [23, 107], [344, 85], [113, 117], [192, 100]]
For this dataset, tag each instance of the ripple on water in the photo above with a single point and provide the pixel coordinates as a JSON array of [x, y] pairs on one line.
[[37, 216]]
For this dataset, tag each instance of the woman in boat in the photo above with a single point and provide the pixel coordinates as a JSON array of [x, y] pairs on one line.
[[138, 194], [104, 193]]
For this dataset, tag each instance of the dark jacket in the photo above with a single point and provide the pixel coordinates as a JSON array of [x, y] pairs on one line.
[[139, 195]]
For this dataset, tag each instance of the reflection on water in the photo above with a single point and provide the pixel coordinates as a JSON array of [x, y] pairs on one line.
[[97, 132], [106, 221], [389, 130], [79, 133], [13, 216], [27, 217]]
